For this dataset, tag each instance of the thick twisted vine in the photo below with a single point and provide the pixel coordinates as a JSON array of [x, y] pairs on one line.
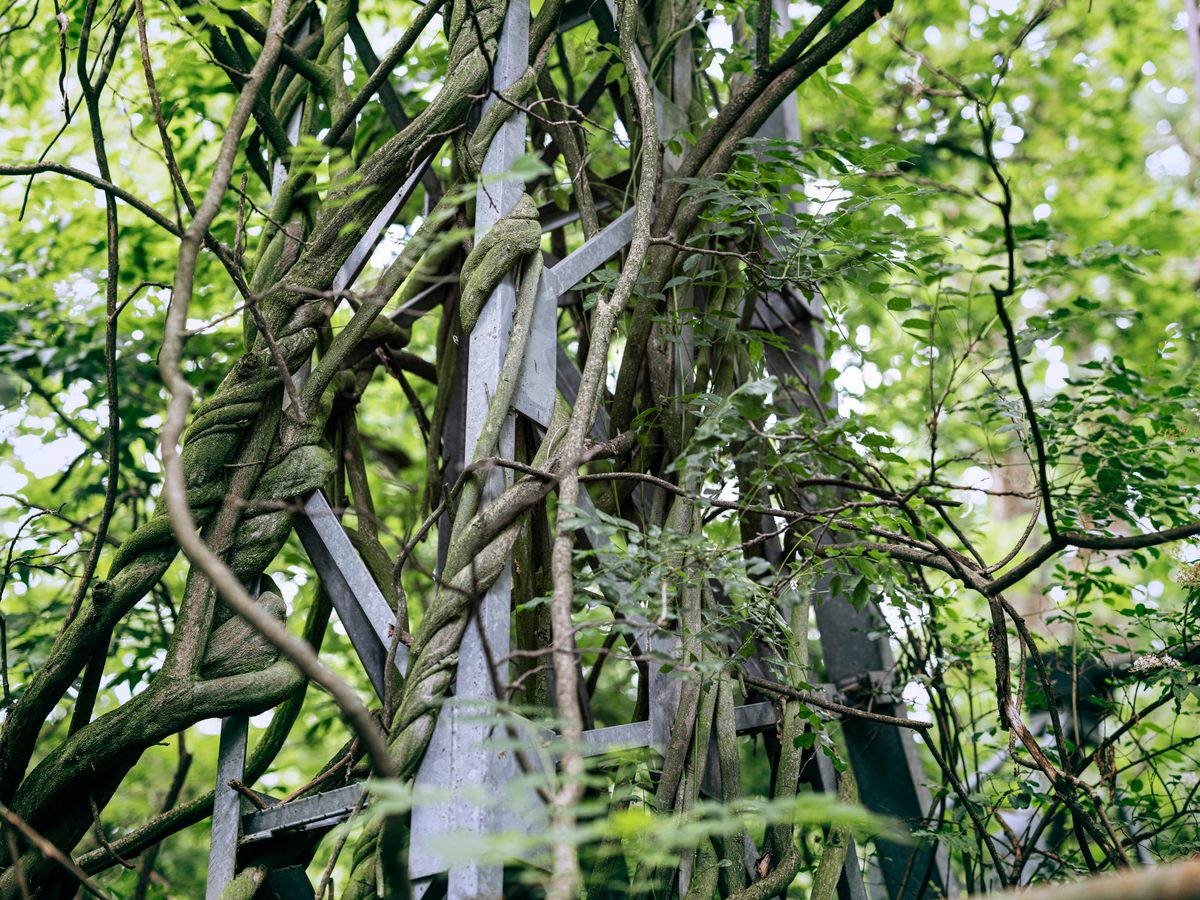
[[481, 538], [243, 463], [231, 431]]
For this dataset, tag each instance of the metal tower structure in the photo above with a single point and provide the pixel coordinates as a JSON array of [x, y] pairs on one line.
[[458, 758]]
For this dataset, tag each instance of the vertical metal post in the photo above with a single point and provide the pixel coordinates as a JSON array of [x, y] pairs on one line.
[[457, 759], [885, 762], [227, 806]]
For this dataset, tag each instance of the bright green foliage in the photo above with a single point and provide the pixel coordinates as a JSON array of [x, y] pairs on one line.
[[902, 463]]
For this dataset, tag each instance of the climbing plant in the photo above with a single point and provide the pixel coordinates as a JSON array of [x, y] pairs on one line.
[[903, 358]]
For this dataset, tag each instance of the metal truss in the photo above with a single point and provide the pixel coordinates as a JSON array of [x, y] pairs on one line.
[[459, 757]]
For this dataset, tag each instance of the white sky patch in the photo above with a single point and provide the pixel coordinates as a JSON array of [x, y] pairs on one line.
[[45, 458], [621, 134], [851, 381], [1142, 522], [150, 461], [394, 239], [720, 38], [1173, 162], [1141, 594], [1014, 134], [616, 354], [872, 377], [1057, 370], [894, 620], [825, 194], [895, 211], [432, 32], [977, 480], [11, 482], [76, 397], [288, 590], [917, 698], [1033, 299], [802, 12]]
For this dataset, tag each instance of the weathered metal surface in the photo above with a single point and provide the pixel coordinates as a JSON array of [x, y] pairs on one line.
[[890, 778], [457, 759], [755, 716], [609, 241], [318, 811], [535, 385], [535, 390], [459, 754], [363, 610], [362, 251], [566, 377], [227, 806], [616, 737]]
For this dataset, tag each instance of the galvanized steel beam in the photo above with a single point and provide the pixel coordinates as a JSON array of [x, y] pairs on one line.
[[457, 759]]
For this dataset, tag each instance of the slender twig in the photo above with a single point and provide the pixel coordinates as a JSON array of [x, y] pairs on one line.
[[50, 851], [18, 865], [783, 690], [150, 857], [101, 837], [256, 801], [156, 105], [964, 801], [91, 95], [174, 489], [327, 872]]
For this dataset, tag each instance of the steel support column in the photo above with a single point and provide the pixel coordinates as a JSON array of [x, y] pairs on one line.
[[458, 760]]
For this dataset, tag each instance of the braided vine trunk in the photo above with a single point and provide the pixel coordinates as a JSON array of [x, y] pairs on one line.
[[248, 456], [245, 463]]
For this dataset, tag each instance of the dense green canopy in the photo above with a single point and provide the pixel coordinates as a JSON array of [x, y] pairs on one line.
[[991, 438]]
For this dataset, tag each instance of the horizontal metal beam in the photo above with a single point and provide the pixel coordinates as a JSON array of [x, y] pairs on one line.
[[748, 718], [535, 389], [755, 716], [318, 811], [331, 807], [576, 266], [616, 737], [552, 217], [363, 610]]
